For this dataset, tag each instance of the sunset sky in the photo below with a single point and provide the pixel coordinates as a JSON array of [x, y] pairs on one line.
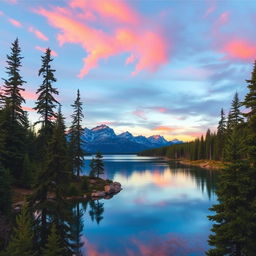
[[148, 66]]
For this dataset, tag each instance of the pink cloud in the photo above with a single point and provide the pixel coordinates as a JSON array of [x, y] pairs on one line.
[[28, 109], [147, 46], [1, 13], [12, 1], [163, 128], [130, 59], [118, 11], [240, 49], [38, 33], [140, 113], [223, 18], [212, 7], [15, 23], [42, 49], [28, 95]]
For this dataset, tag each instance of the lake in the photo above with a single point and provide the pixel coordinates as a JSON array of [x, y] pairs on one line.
[[161, 211]]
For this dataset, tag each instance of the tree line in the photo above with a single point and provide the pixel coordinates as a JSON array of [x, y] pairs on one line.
[[221, 145], [46, 160]]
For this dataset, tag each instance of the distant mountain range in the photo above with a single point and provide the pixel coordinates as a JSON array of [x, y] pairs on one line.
[[103, 138]]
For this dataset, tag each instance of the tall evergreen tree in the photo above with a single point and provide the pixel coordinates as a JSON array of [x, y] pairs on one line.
[[235, 142], [234, 228], [13, 117], [46, 102], [53, 176], [235, 115], [21, 242], [13, 86], [221, 132], [76, 136], [250, 104], [97, 165]]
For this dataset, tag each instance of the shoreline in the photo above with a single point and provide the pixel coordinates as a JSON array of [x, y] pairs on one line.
[[204, 164], [97, 188]]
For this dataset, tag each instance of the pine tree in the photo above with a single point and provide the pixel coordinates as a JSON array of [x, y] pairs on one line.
[[221, 132], [13, 143], [97, 166], [13, 86], [234, 148], [53, 246], [92, 166], [53, 176], [208, 145], [46, 103], [76, 136], [13, 118], [234, 228], [250, 104], [235, 116], [21, 242]]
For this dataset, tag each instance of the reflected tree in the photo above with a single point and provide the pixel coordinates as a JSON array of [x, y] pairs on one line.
[[96, 211]]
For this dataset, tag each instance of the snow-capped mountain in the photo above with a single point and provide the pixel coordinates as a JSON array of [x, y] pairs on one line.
[[104, 139]]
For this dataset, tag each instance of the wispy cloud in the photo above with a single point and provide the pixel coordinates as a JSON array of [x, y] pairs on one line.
[[140, 113], [38, 33], [15, 23]]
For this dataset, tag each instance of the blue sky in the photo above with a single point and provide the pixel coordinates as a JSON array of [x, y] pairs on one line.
[[150, 67]]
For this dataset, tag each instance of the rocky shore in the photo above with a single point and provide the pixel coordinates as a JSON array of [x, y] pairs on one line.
[[86, 188]]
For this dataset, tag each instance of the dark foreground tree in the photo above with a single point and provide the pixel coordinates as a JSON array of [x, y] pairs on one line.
[[234, 231], [13, 117], [76, 137], [13, 86], [250, 104], [46, 102]]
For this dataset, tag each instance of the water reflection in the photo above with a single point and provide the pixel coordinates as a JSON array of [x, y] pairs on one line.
[[161, 211]]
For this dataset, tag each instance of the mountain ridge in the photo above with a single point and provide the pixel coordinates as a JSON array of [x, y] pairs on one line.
[[104, 139]]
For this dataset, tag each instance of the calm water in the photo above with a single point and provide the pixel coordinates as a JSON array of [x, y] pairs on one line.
[[161, 211]]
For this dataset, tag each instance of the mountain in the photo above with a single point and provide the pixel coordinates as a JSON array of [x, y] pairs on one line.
[[104, 139]]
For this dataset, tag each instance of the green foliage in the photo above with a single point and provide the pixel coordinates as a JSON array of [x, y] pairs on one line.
[[97, 166], [27, 174], [46, 103], [76, 134], [5, 191], [250, 104], [21, 242], [234, 228], [53, 246], [13, 85], [73, 190]]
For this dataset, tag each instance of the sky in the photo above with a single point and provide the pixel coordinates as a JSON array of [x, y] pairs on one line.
[[147, 66]]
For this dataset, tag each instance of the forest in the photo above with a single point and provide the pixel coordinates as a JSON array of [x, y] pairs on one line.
[[44, 158], [234, 144]]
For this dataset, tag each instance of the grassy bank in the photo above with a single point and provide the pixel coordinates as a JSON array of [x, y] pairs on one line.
[[206, 164]]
